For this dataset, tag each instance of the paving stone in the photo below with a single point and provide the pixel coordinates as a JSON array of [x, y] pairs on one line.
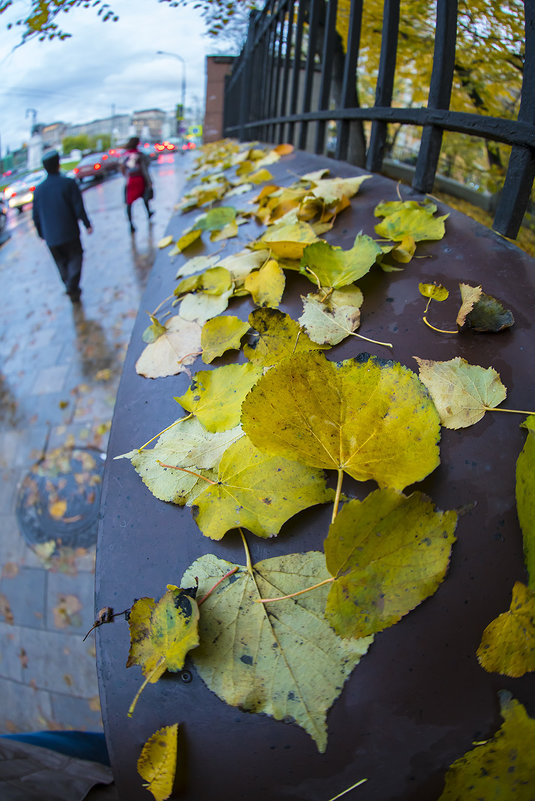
[[77, 713], [12, 545], [60, 662], [10, 653], [50, 380], [26, 593], [70, 602], [23, 708]]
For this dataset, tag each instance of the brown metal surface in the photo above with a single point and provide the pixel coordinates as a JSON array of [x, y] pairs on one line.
[[419, 698]]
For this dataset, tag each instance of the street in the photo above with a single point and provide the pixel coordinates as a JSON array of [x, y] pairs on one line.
[[59, 370]]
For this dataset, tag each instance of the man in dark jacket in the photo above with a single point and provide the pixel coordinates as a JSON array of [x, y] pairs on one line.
[[57, 207]]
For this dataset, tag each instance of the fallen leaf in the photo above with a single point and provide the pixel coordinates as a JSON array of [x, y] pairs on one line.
[[215, 219], [57, 509], [330, 266], [287, 241], [369, 418], [409, 218], [332, 190], [157, 762], [195, 265], [5, 609], [172, 351], [525, 497], [215, 396], [434, 291], [508, 643], [388, 553], [482, 312], [278, 337], [282, 660], [201, 307], [220, 334], [66, 611], [165, 242], [502, 767], [258, 492], [153, 331], [188, 239], [461, 392], [266, 285], [330, 320]]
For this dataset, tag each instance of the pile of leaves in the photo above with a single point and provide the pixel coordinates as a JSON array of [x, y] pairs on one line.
[[259, 437]]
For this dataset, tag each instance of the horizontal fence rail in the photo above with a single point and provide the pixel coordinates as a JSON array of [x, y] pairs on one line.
[[292, 79]]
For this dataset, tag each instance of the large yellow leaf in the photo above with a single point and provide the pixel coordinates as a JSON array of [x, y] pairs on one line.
[[368, 418], [525, 497], [502, 768], [173, 351], [332, 190], [266, 285], [287, 241], [257, 491], [461, 392], [215, 396], [220, 334], [409, 218], [284, 659], [278, 337], [387, 553], [508, 643], [157, 762], [330, 266]]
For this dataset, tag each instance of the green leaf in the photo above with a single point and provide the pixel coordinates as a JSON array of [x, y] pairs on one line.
[[157, 762], [188, 445], [221, 334], [278, 337], [502, 769], [282, 660], [153, 331], [508, 643], [215, 396], [334, 267], [461, 392], [368, 418], [409, 218], [215, 219], [525, 497], [258, 492], [482, 312], [387, 553]]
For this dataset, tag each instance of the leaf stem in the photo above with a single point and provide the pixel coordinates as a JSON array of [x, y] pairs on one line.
[[247, 553], [338, 494], [511, 411], [353, 786], [182, 419], [293, 594], [159, 306], [158, 665], [210, 591], [374, 341], [440, 330], [184, 470]]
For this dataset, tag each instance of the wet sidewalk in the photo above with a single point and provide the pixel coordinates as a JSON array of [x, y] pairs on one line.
[[60, 367]]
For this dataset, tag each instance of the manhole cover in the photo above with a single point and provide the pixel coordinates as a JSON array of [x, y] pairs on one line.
[[59, 498]]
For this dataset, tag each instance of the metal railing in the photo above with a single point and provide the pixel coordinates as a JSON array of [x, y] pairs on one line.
[[281, 89]]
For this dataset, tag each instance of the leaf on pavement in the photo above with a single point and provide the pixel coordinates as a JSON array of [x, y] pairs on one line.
[[502, 767], [369, 418], [278, 337], [282, 660], [333, 267], [221, 334], [434, 291], [185, 444], [525, 497], [333, 190], [461, 392], [161, 633], [215, 219], [258, 492], [508, 643], [173, 351], [200, 307], [482, 312], [215, 396], [153, 331], [157, 762], [287, 241], [266, 285], [388, 553], [165, 242], [195, 265], [409, 218], [330, 320], [187, 239]]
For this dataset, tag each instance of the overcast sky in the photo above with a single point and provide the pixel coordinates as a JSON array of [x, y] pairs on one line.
[[101, 65]]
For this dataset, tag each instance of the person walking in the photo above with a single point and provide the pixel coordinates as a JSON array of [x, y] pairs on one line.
[[57, 209], [135, 168]]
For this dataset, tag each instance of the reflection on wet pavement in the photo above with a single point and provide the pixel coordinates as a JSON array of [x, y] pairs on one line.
[[60, 366]]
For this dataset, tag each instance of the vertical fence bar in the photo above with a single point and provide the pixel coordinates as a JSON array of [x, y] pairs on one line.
[[349, 81], [296, 66], [269, 73], [516, 191], [314, 7], [326, 72], [385, 82], [279, 33], [244, 85], [286, 72], [439, 93]]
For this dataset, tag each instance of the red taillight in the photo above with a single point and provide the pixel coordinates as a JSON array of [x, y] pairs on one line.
[[76, 170], [32, 189], [96, 166], [104, 157], [13, 194]]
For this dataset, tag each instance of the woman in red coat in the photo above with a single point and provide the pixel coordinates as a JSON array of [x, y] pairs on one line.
[[138, 183]]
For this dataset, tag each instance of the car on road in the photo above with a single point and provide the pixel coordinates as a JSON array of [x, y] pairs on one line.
[[96, 166], [20, 192]]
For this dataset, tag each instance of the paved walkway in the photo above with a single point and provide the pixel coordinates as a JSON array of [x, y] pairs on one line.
[[59, 370]]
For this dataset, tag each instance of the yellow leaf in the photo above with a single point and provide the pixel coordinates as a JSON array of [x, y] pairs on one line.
[[288, 241], [157, 762], [188, 239], [283, 150], [57, 509], [260, 176], [178, 347], [434, 291], [227, 232], [165, 242], [278, 337], [221, 334], [332, 190], [508, 643], [470, 296], [525, 497], [266, 285]]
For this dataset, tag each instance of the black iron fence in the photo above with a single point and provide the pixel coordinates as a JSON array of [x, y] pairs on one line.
[[293, 82]]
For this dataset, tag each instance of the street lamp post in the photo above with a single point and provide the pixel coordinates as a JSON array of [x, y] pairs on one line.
[[175, 55]]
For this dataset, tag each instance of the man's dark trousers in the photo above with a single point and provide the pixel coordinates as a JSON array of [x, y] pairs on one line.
[[68, 257]]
